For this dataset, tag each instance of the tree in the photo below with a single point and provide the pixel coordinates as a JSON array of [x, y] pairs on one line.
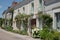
[[11, 10], [1, 22]]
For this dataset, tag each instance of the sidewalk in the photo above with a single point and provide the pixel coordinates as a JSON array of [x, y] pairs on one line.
[[24, 37]]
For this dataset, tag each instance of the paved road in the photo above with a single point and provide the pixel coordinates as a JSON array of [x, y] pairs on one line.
[[4, 35]]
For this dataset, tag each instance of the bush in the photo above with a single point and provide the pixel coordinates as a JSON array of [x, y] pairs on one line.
[[23, 32], [46, 34], [56, 35], [16, 31], [8, 28], [35, 33]]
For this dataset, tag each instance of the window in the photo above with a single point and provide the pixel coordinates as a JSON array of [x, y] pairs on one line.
[[58, 20], [32, 6], [23, 8], [18, 10]]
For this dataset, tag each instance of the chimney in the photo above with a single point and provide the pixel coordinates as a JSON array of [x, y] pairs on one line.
[[14, 3]]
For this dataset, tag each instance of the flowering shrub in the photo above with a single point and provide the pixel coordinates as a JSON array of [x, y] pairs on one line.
[[35, 33]]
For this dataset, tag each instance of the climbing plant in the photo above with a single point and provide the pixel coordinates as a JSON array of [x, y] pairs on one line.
[[46, 19], [22, 18], [11, 11]]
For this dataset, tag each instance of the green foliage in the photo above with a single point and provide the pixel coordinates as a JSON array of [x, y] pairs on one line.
[[16, 31], [47, 34], [1, 22], [21, 17], [25, 24], [44, 32], [8, 28], [46, 19], [23, 32], [11, 10], [56, 35]]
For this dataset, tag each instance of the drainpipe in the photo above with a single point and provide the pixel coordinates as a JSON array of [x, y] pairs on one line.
[[43, 7], [43, 11]]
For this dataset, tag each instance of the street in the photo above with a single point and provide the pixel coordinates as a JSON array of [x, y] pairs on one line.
[[4, 35]]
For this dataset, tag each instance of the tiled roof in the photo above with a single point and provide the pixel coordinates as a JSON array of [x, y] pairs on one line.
[[13, 4], [20, 4], [5, 12], [49, 2]]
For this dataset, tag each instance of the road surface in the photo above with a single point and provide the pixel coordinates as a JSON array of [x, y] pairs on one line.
[[8, 36]]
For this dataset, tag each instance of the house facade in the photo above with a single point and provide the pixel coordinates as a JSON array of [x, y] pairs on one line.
[[7, 15], [28, 7], [52, 7], [4, 17]]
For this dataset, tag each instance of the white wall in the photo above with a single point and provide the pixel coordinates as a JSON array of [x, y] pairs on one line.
[[8, 15], [37, 7], [52, 9], [27, 9]]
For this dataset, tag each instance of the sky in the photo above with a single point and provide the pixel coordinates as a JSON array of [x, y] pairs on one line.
[[4, 4]]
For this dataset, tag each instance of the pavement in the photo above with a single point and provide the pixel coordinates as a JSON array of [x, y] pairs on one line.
[[5, 35]]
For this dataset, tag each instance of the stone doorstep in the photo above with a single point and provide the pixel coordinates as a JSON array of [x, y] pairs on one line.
[[21, 36]]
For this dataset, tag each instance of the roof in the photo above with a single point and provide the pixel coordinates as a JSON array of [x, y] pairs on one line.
[[12, 6], [6, 11], [49, 2], [24, 2]]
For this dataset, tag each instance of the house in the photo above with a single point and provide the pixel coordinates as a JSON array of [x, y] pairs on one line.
[[8, 16], [52, 7], [28, 7], [4, 17]]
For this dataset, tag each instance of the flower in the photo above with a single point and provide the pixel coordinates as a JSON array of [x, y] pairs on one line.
[[35, 29], [35, 32]]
